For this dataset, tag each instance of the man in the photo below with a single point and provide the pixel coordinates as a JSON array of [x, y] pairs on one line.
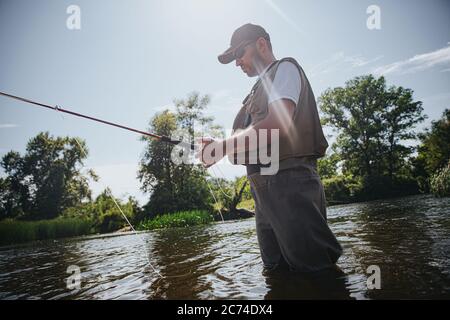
[[290, 207]]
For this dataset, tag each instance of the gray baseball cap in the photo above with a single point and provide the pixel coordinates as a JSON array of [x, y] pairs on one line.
[[242, 36]]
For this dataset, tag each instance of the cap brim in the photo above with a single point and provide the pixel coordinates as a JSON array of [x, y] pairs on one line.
[[227, 56]]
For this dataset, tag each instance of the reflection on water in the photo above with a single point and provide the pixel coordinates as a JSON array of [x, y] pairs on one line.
[[408, 238]]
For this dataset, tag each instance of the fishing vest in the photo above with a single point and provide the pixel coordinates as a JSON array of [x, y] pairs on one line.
[[306, 138]]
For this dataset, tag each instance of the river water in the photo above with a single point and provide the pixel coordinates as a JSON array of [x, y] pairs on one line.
[[406, 239]]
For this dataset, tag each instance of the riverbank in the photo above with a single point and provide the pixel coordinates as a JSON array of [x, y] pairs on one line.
[[14, 231]]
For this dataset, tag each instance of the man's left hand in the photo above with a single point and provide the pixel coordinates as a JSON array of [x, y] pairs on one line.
[[212, 155]]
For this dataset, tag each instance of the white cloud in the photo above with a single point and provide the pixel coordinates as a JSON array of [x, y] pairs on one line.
[[8, 125], [340, 61], [440, 57], [359, 61]]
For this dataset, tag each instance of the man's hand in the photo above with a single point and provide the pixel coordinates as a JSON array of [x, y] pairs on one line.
[[211, 151]]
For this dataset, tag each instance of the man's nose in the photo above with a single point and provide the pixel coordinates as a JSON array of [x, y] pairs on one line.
[[238, 62]]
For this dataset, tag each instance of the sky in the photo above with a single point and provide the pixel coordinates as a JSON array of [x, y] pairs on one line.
[[131, 59]]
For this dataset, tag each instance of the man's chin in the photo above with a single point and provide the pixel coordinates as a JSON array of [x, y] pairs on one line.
[[250, 75]]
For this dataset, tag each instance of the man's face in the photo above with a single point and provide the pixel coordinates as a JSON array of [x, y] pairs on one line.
[[250, 61]]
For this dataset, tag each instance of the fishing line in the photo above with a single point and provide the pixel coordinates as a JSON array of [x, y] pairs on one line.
[[148, 134], [109, 193], [60, 110], [218, 179], [208, 184]]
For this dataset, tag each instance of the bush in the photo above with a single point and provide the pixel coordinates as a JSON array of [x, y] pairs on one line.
[[341, 189], [110, 221], [440, 182], [351, 189], [104, 213], [178, 219]]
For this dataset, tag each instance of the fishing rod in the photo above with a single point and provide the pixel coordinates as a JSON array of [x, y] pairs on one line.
[[57, 108], [152, 135]]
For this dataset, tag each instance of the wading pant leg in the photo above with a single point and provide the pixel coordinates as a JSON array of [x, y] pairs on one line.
[[293, 204], [268, 244]]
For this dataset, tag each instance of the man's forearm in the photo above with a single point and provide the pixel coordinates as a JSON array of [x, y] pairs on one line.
[[279, 117], [241, 142]]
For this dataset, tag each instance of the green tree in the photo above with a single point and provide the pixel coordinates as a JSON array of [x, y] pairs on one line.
[[327, 167], [192, 124], [399, 117], [440, 182], [156, 168], [230, 193], [107, 216], [373, 122], [434, 151], [176, 186], [46, 180], [104, 213]]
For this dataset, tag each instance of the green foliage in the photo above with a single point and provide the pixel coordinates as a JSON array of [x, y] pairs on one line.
[[45, 180], [327, 166], [372, 122], [11, 198], [347, 188], [440, 182], [248, 204], [96, 216], [176, 186], [242, 182], [104, 214], [433, 152], [342, 189], [230, 193], [13, 231], [177, 219]]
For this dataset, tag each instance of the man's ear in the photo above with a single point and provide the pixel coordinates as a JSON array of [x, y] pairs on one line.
[[261, 45]]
